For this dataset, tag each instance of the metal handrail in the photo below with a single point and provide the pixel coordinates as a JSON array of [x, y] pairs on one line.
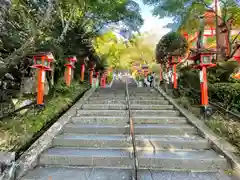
[[132, 134]]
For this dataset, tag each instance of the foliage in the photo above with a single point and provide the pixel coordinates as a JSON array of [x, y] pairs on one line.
[[171, 43], [109, 77], [229, 130], [227, 93], [120, 54], [64, 27], [17, 131], [139, 77]]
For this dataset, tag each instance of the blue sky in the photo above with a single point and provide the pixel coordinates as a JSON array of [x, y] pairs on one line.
[[153, 25]]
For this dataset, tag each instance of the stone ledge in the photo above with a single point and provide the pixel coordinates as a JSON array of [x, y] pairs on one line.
[[219, 144], [29, 159]]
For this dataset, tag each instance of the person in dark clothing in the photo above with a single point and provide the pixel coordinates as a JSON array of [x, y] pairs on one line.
[[150, 79]]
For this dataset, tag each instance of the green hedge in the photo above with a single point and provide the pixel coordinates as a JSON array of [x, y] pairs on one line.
[[220, 88], [226, 93]]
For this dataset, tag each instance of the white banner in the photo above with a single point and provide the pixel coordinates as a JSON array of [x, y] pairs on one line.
[[201, 76], [43, 76]]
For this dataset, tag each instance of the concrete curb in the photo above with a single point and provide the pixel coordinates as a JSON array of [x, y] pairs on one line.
[[29, 159], [218, 144]]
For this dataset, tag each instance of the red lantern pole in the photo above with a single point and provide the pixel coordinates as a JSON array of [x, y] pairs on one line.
[[104, 79], [175, 76], [41, 80], [204, 87], [82, 72], [42, 62], [68, 75]]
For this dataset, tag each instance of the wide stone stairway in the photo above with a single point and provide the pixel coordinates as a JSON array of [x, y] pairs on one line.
[[96, 143]]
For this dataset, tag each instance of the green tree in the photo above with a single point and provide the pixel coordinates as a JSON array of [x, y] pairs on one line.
[[65, 27], [122, 54], [171, 43]]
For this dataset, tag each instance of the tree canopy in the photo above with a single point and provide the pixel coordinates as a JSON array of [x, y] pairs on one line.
[[185, 13], [171, 43], [121, 54], [64, 27]]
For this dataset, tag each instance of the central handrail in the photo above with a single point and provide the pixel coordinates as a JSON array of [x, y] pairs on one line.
[[132, 134]]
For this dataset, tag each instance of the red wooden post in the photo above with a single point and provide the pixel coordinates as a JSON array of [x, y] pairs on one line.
[[204, 87], [69, 66], [173, 61], [104, 79], [82, 72], [175, 76], [68, 75], [41, 80]]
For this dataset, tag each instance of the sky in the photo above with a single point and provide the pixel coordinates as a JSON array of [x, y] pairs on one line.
[[153, 25]]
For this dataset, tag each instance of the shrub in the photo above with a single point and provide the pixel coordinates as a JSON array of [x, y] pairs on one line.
[[227, 93]]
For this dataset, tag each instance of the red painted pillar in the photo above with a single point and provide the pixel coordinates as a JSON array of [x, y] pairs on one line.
[[68, 75], [175, 76], [40, 92], [82, 72], [104, 79], [204, 87]]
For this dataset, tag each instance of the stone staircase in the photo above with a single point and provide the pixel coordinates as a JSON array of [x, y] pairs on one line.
[[95, 145], [97, 137], [165, 140]]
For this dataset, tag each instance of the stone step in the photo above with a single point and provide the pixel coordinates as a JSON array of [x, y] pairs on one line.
[[140, 89], [165, 113], [102, 113], [93, 141], [96, 129], [150, 107], [140, 129], [155, 94], [110, 90], [146, 98], [63, 173], [166, 129], [143, 142], [100, 120], [159, 120], [100, 98], [205, 160], [106, 101], [151, 102], [105, 106], [157, 142], [108, 95], [86, 157]]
